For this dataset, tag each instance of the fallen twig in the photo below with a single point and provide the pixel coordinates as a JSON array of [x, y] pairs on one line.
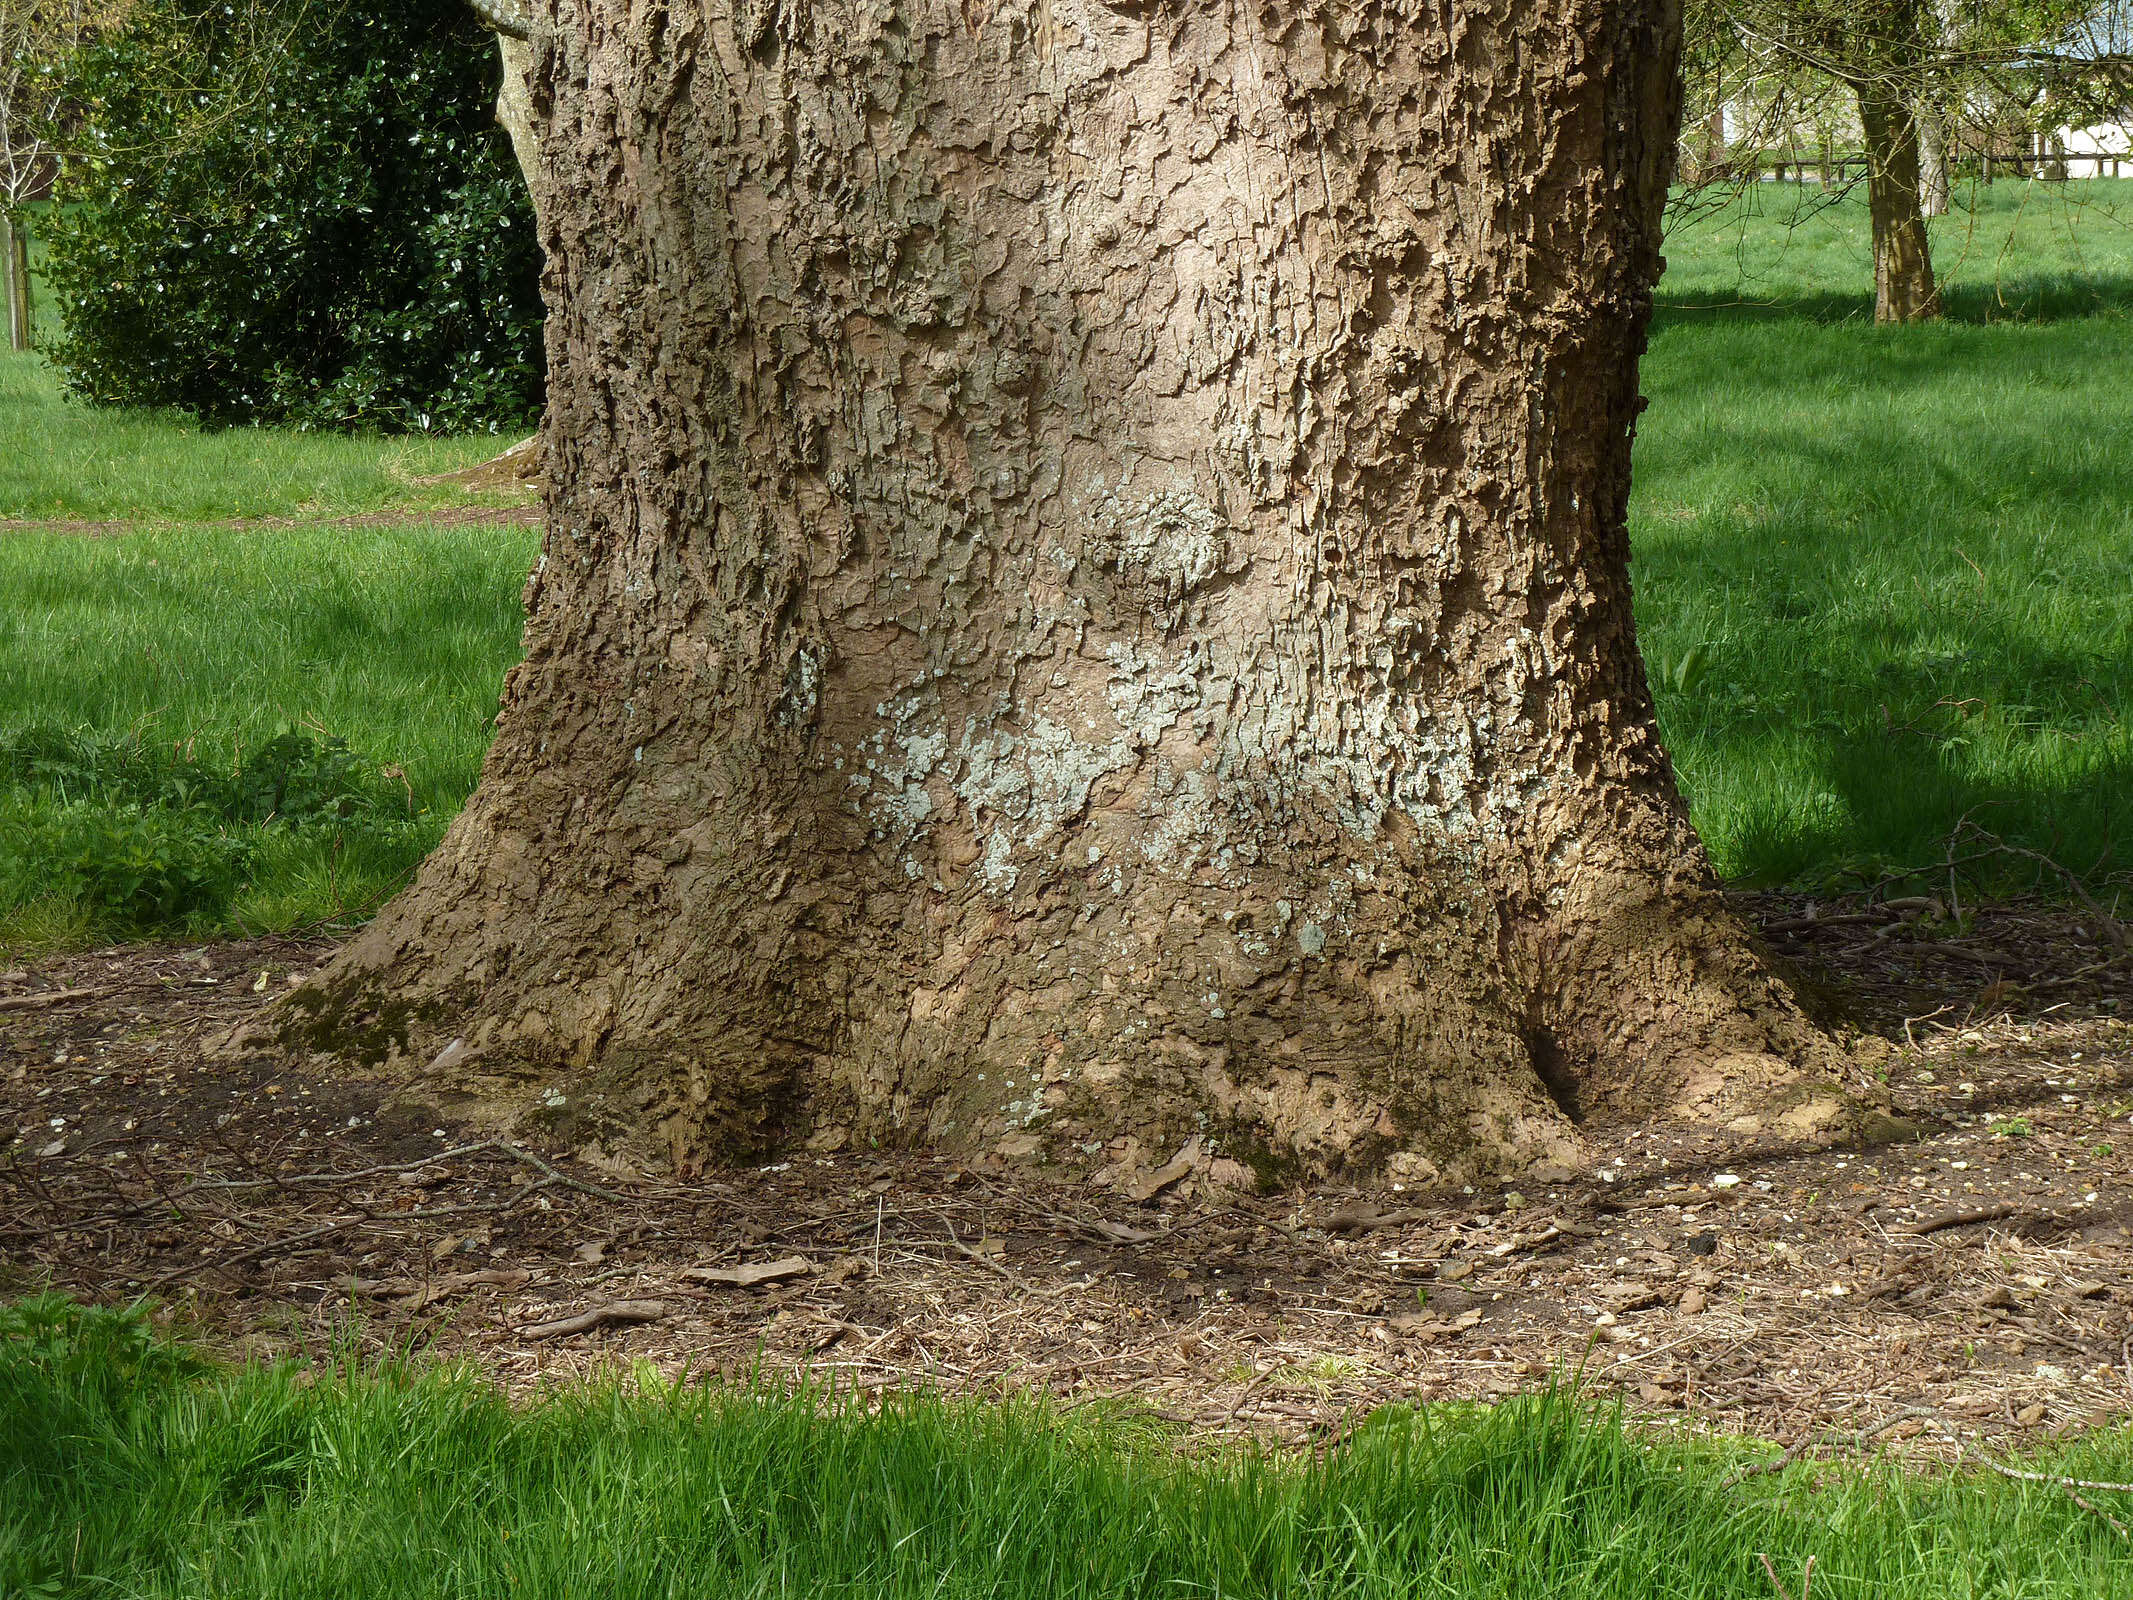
[[622, 1311], [1957, 1219], [980, 1257], [1807, 1577], [252, 1254], [46, 997]]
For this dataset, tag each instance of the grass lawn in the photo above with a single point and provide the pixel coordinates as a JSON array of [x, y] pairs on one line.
[[60, 460], [72, 462], [1885, 576], [128, 1468], [172, 700], [1882, 578]]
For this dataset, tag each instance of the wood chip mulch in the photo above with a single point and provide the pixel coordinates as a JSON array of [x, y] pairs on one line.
[[1984, 1274]]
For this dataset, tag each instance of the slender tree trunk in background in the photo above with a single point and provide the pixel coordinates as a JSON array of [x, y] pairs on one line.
[[514, 102], [1932, 162], [1086, 602], [1904, 290], [15, 280], [1713, 162], [512, 26]]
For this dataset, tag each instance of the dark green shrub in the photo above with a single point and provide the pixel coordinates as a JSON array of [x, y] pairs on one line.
[[298, 214]]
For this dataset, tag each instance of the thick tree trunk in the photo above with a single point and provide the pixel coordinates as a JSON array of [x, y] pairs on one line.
[[1904, 290], [1086, 601]]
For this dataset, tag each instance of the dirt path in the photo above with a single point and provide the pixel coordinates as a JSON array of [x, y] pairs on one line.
[[1753, 1286], [450, 516]]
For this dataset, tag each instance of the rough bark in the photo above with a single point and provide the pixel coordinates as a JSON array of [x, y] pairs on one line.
[[1086, 601], [1904, 290]]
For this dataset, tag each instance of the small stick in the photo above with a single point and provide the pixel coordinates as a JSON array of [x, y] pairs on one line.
[[1956, 1219], [1807, 1577], [982, 1260], [254, 1253], [47, 997], [627, 1311]]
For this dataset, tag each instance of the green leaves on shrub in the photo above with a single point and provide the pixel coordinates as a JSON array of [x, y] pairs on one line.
[[293, 778], [132, 870], [145, 836], [298, 214]]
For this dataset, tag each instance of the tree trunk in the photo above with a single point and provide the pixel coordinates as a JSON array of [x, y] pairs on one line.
[[1904, 290], [512, 26], [1932, 163], [15, 280], [1086, 602], [514, 103]]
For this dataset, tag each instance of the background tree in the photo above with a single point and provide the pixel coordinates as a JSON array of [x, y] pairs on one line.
[[1913, 70], [298, 213], [36, 39], [509, 22], [1085, 602]]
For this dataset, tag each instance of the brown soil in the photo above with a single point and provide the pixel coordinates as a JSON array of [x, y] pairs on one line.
[[1804, 1295]]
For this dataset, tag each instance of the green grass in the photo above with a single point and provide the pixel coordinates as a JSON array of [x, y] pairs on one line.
[[1883, 574], [65, 461], [127, 1469], [61, 460], [193, 648], [1882, 583], [155, 685]]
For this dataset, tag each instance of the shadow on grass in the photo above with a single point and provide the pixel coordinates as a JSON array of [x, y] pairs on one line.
[[2025, 298], [1889, 808], [1882, 585]]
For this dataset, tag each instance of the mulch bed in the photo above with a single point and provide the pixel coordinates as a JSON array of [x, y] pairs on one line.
[[1980, 1275]]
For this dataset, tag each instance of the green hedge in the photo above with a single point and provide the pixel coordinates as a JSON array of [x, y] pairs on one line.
[[298, 214]]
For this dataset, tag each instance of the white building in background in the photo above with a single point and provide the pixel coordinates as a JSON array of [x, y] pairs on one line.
[[2102, 149]]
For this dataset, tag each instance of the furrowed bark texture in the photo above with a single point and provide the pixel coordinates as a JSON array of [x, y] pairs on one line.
[[1086, 600]]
